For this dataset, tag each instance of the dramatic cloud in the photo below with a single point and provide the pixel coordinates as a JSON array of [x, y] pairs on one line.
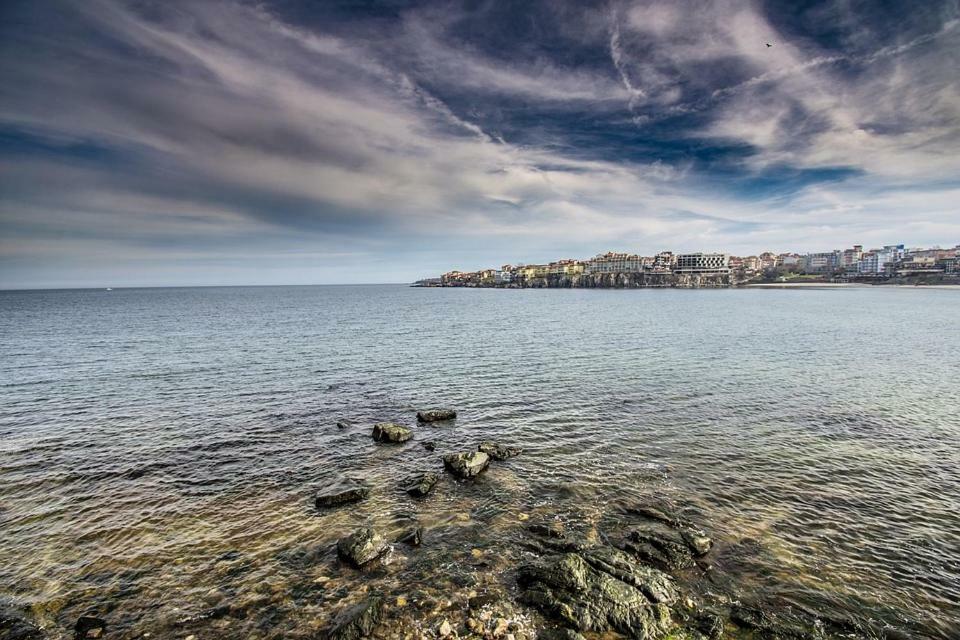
[[229, 142]]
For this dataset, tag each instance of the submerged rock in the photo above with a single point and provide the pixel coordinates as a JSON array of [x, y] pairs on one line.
[[559, 633], [436, 415], [549, 529], [466, 465], [343, 491], [15, 627], [390, 432], [482, 600], [89, 627], [498, 451], [600, 589], [362, 546], [775, 624], [430, 445], [344, 424], [358, 621], [667, 547], [421, 484], [710, 625], [412, 537], [654, 513]]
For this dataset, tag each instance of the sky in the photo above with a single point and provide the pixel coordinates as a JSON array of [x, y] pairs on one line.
[[298, 142]]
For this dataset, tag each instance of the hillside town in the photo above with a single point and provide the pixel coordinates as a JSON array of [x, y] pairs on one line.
[[887, 264]]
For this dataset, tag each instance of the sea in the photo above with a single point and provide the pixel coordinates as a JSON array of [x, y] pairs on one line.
[[160, 448]]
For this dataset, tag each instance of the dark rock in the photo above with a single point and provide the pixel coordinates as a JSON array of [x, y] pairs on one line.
[[15, 627], [436, 415], [89, 627], [344, 491], [782, 625], [413, 537], [479, 602], [661, 546], [430, 445], [654, 513], [600, 589], [559, 545], [390, 432], [551, 529], [466, 465], [216, 613], [344, 424], [358, 621], [710, 625], [559, 633], [421, 484], [498, 451], [362, 546], [657, 586]]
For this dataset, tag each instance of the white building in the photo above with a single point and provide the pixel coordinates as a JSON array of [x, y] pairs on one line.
[[880, 260], [615, 263]]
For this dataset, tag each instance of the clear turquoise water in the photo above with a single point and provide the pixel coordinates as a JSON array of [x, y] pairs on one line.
[[160, 446]]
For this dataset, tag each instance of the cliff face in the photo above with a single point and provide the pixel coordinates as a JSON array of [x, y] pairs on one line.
[[627, 281]]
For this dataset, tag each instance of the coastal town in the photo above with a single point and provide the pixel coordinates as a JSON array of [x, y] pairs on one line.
[[884, 265]]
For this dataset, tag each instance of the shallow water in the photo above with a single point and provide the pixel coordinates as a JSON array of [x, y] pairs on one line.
[[161, 447]]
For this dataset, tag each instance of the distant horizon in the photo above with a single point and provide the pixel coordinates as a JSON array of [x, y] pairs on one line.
[[96, 286]]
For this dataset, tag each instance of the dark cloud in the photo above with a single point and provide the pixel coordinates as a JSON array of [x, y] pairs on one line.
[[344, 141]]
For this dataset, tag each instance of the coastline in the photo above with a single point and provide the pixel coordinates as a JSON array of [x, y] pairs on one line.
[[844, 285]]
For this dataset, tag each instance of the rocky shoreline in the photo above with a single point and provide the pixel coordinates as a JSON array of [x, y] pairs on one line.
[[649, 577], [650, 571]]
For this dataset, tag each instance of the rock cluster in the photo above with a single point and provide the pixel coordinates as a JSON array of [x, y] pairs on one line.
[[621, 585]]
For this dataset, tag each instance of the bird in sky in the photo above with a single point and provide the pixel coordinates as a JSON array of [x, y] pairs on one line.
[[769, 45]]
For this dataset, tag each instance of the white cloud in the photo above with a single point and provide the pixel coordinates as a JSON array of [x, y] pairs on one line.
[[234, 115]]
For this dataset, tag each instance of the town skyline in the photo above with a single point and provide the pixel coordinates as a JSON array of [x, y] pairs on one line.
[[888, 261]]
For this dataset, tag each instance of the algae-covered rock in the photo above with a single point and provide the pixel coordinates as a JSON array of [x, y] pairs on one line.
[[362, 546], [600, 590], [390, 432], [436, 415], [498, 451]]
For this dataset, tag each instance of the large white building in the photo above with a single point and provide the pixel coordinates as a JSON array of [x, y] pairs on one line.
[[877, 261], [615, 263], [702, 263]]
